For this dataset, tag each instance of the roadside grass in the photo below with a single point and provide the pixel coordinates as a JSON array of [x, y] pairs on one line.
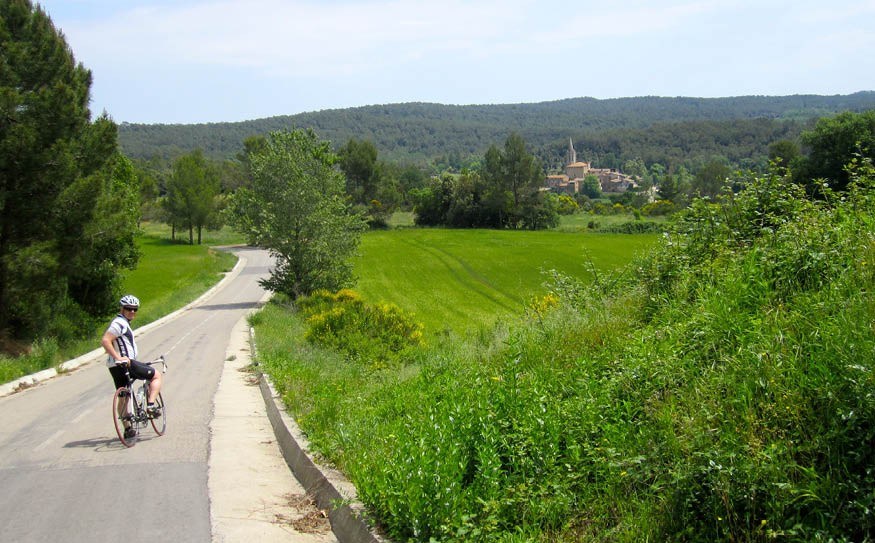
[[721, 392], [169, 276], [460, 280]]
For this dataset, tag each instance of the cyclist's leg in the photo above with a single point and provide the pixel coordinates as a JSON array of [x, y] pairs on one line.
[[120, 380], [155, 386], [149, 374], [159, 420]]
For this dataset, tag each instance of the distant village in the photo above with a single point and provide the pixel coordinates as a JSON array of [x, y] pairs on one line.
[[611, 181]]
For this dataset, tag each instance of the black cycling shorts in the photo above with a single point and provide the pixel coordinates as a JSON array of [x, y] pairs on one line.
[[138, 371]]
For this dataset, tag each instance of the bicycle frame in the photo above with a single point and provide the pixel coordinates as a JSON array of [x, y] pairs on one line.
[[135, 406]]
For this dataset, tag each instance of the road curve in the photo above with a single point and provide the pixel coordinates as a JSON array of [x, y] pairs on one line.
[[64, 476]]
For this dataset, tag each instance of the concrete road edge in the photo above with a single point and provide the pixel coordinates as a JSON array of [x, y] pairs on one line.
[[331, 490]]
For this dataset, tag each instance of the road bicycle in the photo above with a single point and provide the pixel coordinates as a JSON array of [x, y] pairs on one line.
[[129, 409]]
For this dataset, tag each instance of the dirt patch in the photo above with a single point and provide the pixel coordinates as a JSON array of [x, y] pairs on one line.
[[309, 519]]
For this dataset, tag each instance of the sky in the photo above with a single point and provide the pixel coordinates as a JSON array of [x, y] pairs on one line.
[[200, 61]]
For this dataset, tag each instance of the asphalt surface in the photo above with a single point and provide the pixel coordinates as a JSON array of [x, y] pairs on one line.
[[64, 475]]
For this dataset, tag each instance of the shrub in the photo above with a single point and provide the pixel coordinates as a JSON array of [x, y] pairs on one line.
[[373, 334], [659, 207], [634, 227]]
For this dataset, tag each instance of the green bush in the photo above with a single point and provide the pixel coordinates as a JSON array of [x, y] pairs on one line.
[[374, 334], [634, 227], [659, 207]]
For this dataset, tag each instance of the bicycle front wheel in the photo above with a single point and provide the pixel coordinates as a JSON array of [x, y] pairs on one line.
[[121, 415], [159, 423]]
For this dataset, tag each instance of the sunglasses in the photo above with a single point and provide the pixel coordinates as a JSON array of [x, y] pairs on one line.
[[134, 309]]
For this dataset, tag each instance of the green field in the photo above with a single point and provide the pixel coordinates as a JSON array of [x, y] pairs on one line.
[[454, 279]]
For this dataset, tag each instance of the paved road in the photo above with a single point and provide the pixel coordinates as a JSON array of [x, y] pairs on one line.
[[64, 476]]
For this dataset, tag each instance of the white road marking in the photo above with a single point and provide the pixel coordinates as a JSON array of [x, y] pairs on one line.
[[82, 415], [45, 443]]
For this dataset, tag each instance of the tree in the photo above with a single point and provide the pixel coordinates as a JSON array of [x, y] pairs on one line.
[[522, 171], [591, 187], [669, 189], [68, 202], [710, 180], [431, 204], [192, 191], [784, 153], [512, 179], [833, 143], [297, 209], [358, 160], [372, 185], [635, 167], [497, 199]]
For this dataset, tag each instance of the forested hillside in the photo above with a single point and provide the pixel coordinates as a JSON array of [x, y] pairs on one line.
[[606, 132]]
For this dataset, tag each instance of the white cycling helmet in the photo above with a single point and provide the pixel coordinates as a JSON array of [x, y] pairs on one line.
[[129, 300]]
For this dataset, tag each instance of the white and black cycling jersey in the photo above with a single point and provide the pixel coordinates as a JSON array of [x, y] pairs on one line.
[[124, 342]]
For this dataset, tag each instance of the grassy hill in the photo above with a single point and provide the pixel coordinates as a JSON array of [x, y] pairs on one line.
[[719, 391], [609, 131]]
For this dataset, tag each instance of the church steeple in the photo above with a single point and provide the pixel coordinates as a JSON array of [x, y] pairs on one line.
[[571, 154]]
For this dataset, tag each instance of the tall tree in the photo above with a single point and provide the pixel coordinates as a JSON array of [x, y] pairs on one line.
[[833, 143], [591, 187], [358, 160], [522, 170], [711, 178], [192, 191], [56, 180], [297, 209], [497, 198], [511, 179], [373, 185]]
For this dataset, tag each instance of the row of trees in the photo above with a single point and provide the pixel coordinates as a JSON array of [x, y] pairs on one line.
[[819, 154], [491, 192], [504, 192]]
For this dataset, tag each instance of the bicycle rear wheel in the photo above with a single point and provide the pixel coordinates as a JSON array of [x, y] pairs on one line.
[[159, 423], [120, 398]]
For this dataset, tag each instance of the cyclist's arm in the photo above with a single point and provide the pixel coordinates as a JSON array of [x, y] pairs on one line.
[[108, 343]]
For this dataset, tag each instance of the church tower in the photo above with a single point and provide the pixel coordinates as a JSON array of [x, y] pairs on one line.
[[570, 154]]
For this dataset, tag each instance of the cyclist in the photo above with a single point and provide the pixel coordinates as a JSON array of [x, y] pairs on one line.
[[118, 341]]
